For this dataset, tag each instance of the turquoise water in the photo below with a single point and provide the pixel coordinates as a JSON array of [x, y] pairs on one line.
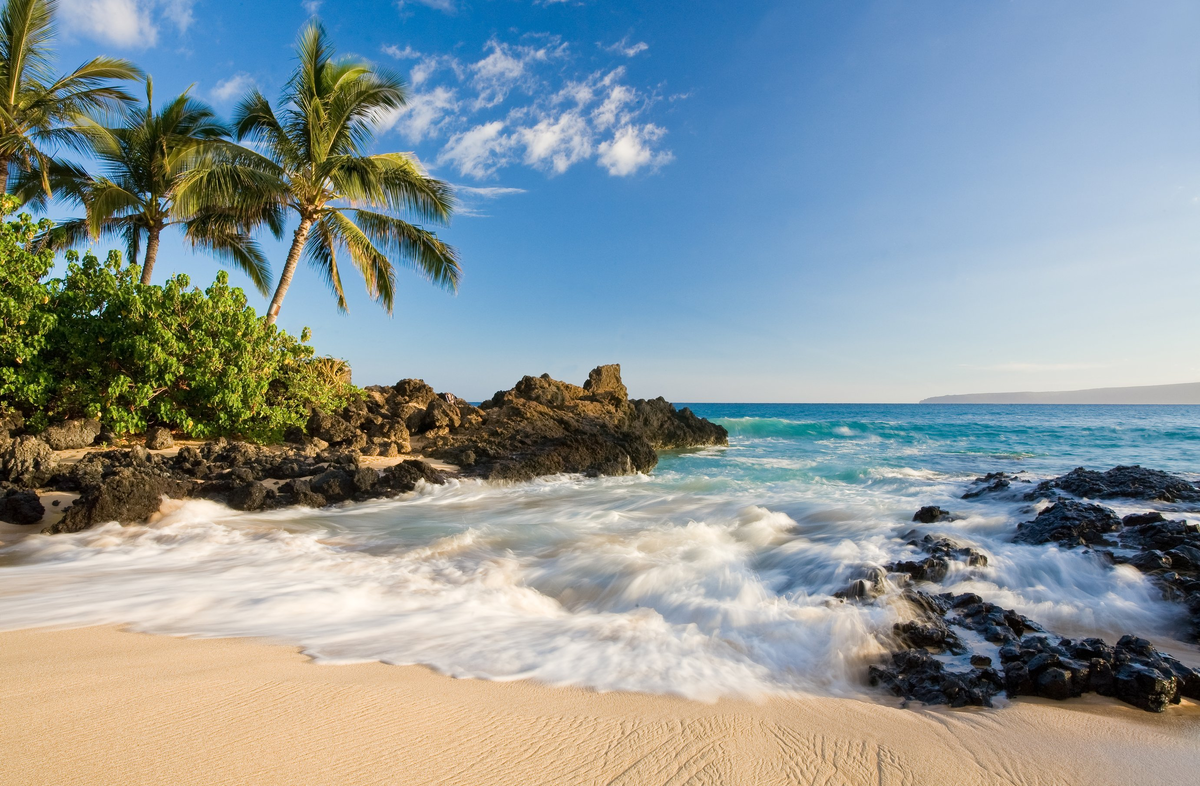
[[714, 575]]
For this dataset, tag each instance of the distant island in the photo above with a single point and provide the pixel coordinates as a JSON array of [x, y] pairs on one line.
[[1187, 393]]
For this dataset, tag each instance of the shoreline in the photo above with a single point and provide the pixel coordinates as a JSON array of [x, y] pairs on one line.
[[105, 705]]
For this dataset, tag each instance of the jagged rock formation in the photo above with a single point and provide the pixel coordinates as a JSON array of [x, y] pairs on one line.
[[540, 427]]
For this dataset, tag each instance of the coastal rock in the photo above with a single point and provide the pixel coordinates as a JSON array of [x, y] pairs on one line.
[[71, 434], [11, 424], [1034, 662], [250, 496], [932, 514], [1132, 482], [1069, 523], [604, 384], [543, 426], [942, 551], [128, 496], [159, 438], [403, 477], [27, 461], [21, 507], [916, 675], [330, 428], [412, 391]]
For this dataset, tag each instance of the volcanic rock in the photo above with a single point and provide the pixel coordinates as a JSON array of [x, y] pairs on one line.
[[159, 438], [71, 434], [21, 507], [1069, 523]]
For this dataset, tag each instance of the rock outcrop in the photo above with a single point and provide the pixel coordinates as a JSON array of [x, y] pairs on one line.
[[1120, 482], [1033, 662], [540, 427]]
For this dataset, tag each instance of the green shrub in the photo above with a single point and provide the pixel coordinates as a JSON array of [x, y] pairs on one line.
[[98, 343], [25, 319]]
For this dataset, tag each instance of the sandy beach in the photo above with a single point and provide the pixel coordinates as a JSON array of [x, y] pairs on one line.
[[104, 706]]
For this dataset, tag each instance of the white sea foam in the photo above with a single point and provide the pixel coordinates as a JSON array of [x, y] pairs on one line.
[[715, 576]]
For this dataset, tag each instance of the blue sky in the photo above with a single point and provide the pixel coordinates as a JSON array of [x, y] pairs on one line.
[[754, 201]]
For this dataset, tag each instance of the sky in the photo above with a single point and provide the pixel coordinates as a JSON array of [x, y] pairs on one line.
[[813, 201]]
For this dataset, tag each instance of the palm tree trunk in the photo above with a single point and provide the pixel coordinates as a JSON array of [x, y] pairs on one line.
[[4, 173], [151, 253], [289, 268]]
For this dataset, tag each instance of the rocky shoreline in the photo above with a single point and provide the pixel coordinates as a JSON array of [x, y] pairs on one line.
[[928, 650], [382, 446], [954, 649]]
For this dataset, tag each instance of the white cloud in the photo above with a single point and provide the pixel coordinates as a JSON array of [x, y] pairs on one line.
[[488, 192], [311, 7], [557, 143], [447, 6], [471, 196], [129, 23], [629, 150], [623, 47], [423, 115], [229, 89], [613, 110], [407, 53], [479, 151], [513, 105], [179, 12], [506, 67]]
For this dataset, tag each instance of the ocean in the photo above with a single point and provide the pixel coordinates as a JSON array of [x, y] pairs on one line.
[[712, 576]]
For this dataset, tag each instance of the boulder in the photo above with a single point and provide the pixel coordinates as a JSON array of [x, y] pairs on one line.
[[250, 496], [440, 414], [71, 434], [1132, 482], [21, 507], [159, 438], [330, 428], [404, 477], [932, 514], [27, 461], [1069, 523], [128, 496], [412, 391]]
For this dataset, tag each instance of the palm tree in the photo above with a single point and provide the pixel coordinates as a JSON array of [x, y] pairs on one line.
[[38, 109], [174, 166], [316, 144]]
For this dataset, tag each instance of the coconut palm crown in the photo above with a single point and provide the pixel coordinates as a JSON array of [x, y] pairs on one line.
[[347, 201], [171, 167], [38, 110]]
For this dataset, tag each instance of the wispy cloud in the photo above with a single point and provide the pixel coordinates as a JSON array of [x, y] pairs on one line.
[[624, 47], [229, 89], [518, 103], [311, 7], [423, 115], [470, 198], [479, 151], [446, 6], [127, 23]]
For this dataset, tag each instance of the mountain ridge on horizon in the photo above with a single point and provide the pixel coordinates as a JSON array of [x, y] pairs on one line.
[[1183, 393]]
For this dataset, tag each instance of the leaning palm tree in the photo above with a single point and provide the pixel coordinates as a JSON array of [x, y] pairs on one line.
[[317, 145], [39, 111], [170, 167]]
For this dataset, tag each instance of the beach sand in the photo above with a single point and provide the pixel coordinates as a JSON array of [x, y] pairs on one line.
[[104, 706]]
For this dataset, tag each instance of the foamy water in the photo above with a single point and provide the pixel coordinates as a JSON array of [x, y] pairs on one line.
[[713, 576]]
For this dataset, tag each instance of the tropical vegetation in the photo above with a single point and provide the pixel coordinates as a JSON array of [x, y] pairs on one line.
[[98, 339], [320, 172]]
